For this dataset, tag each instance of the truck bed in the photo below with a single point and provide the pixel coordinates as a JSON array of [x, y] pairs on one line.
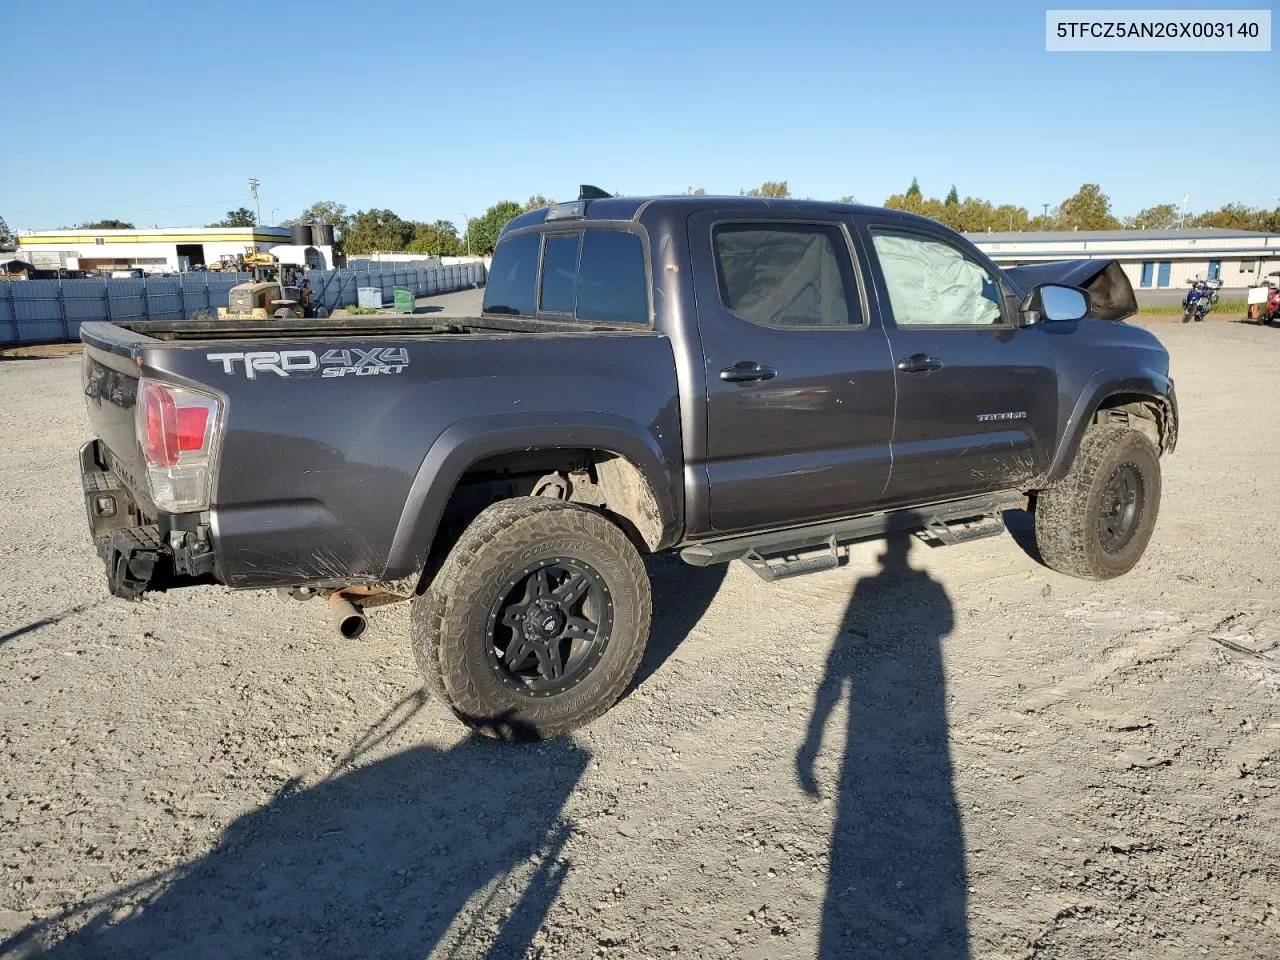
[[183, 331], [340, 441]]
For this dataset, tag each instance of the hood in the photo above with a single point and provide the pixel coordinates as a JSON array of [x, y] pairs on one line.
[[1109, 289]]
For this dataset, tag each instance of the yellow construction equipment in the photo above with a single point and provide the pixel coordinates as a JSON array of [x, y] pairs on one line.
[[276, 290]]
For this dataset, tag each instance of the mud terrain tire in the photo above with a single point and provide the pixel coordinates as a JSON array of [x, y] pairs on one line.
[[1096, 521], [488, 587]]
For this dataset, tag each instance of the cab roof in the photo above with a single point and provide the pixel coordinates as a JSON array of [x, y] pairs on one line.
[[631, 208]]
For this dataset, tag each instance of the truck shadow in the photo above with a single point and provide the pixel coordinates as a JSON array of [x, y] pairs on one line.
[[1021, 525], [460, 849], [896, 885], [681, 595]]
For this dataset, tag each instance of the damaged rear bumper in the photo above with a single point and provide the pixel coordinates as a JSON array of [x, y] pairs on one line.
[[141, 553]]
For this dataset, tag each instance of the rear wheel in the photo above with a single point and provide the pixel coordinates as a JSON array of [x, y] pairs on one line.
[[1096, 521], [536, 621]]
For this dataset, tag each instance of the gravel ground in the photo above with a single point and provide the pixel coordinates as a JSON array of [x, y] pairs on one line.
[[946, 753]]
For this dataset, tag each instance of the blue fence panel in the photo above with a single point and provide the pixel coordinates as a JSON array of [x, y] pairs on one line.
[[52, 310], [164, 298], [83, 301], [8, 326], [126, 300], [37, 308]]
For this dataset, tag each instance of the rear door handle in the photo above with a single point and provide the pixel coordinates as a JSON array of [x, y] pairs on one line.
[[745, 371], [919, 363]]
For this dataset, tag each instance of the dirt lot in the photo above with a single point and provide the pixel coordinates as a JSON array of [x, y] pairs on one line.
[[1015, 764]]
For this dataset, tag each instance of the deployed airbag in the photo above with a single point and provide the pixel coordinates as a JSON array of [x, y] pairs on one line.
[[934, 283]]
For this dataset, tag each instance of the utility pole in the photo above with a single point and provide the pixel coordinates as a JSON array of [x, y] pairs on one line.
[[1046, 210], [253, 188], [467, 220]]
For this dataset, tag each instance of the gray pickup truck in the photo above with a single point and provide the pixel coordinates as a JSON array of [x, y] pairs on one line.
[[730, 378]]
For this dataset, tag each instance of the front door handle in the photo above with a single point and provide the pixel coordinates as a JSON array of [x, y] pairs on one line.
[[919, 363], [745, 371]]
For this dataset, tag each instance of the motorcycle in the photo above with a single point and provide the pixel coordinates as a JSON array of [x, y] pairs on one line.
[[1269, 312], [1200, 299]]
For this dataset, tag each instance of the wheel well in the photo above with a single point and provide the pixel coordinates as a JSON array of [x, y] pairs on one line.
[[1138, 411], [600, 479]]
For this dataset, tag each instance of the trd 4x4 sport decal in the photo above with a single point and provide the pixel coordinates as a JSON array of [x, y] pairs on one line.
[[347, 362]]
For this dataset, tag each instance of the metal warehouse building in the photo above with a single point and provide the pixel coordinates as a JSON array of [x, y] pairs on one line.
[[1154, 260], [154, 251]]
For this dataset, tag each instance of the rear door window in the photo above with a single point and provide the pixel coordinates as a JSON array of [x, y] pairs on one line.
[[513, 277], [786, 274]]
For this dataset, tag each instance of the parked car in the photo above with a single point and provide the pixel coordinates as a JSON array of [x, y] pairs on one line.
[[730, 378]]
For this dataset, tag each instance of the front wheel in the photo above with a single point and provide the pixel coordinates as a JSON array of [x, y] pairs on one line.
[[1096, 521], [536, 622]]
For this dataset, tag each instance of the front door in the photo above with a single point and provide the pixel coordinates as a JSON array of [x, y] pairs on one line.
[[800, 392], [977, 394]]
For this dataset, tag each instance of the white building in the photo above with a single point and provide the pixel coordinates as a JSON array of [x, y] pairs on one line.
[[160, 250], [1154, 260]]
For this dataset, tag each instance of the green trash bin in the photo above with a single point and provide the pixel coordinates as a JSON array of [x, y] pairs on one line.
[[404, 300]]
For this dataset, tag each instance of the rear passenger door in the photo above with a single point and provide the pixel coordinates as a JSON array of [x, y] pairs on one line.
[[800, 393], [977, 394]]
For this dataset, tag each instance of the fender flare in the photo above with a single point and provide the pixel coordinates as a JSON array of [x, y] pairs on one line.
[[466, 442], [1109, 383]]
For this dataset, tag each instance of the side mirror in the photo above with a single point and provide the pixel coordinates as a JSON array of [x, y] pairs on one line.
[[1052, 301]]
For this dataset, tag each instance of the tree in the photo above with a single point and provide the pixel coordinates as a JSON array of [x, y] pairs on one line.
[[694, 192], [323, 211], [1088, 209], [915, 203], [7, 239], [484, 230], [773, 189], [953, 198], [848, 198], [914, 189], [1163, 216], [241, 217], [439, 239], [377, 231], [105, 225], [536, 202], [1010, 217], [1237, 216]]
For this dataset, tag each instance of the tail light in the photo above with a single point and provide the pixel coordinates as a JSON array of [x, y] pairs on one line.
[[176, 428]]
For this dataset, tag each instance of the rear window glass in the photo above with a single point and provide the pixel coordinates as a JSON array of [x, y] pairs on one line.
[[785, 275], [612, 287], [513, 277], [559, 273]]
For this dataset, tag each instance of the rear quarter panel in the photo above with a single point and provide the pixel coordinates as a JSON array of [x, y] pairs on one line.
[[316, 474]]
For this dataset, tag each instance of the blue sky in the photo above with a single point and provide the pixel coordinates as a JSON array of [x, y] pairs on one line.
[[145, 111]]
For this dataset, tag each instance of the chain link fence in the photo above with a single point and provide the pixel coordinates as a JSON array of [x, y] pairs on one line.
[[51, 311]]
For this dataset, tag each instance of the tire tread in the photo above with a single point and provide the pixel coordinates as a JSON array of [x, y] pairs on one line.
[[455, 586]]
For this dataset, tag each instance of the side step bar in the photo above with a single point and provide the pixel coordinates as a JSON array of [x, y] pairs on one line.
[[955, 521]]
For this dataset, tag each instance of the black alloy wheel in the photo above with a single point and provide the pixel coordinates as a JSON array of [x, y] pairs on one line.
[[1121, 513], [550, 626]]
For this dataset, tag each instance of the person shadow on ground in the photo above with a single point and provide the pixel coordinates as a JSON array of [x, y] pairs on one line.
[[896, 885], [461, 850]]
